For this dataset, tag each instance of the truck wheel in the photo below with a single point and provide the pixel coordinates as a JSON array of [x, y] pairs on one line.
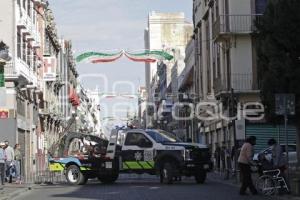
[[200, 176], [108, 179], [166, 173], [74, 176]]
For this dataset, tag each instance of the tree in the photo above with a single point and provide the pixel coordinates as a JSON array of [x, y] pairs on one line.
[[278, 51]]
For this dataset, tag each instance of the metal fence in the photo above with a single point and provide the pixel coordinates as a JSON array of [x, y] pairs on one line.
[[43, 177]]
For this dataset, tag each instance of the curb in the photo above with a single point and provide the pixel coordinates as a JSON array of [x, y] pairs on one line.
[[16, 193]]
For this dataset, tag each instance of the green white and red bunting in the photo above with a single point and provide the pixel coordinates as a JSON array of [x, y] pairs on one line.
[[127, 96], [149, 56], [98, 57], [141, 56]]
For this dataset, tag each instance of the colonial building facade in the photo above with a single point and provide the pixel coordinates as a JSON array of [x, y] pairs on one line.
[[38, 91]]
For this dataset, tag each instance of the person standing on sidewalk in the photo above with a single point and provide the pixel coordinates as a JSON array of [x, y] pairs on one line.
[[279, 160], [2, 163], [10, 156], [217, 158], [245, 161], [18, 158]]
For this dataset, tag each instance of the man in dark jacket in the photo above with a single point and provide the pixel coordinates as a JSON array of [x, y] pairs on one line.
[[2, 163]]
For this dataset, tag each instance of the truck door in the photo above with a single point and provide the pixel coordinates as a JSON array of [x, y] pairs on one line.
[[137, 152]]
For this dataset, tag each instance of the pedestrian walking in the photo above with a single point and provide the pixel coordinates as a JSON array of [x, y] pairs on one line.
[[10, 155], [245, 161], [217, 156], [223, 159], [2, 163], [18, 159], [234, 154]]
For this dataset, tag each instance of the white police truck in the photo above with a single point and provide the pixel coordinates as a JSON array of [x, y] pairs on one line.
[[158, 152]]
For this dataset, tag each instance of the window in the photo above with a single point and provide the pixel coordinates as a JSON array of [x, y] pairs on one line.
[[28, 55], [260, 6], [29, 8], [133, 139], [34, 61], [24, 4], [162, 136], [34, 16], [21, 107], [19, 2], [207, 33], [217, 13], [2, 76], [218, 61], [24, 49], [75, 147], [19, 45], [47, 45]]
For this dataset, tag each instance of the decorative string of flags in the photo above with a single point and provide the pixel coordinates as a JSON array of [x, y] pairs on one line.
[[127, 96], [148, 56], [114, 118]]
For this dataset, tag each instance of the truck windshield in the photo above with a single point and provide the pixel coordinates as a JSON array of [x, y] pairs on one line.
[[161, 136]]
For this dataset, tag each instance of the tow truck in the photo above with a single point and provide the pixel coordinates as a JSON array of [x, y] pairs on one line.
[[81, 157], [158, 152]]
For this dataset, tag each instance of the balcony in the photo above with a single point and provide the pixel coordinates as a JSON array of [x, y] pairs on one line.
[[25, 24], [240, 83], [20, 71], [22, 22], [10, 72], [226, 25]]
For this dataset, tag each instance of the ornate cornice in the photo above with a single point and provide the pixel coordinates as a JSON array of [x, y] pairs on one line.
[[51, 27]]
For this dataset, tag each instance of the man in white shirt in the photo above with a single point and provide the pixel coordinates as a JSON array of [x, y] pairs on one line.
[[10, 155], [245, 161]]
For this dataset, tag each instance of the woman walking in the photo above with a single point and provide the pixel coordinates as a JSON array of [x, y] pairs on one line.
[[18, 158]]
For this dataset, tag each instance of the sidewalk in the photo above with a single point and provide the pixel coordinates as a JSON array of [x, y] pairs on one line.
[[219, 177], [10, 191]]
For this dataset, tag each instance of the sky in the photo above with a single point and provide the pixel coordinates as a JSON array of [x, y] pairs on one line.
[[101, 25]]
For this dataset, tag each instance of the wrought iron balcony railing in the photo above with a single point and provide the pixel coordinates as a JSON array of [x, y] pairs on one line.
[[10, 71], [235, 24], [238, 82]]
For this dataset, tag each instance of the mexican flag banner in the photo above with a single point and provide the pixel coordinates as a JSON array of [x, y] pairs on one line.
[[148, 56], [98, 57], [137, 56]]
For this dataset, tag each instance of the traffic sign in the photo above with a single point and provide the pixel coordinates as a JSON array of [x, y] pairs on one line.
[[285, 104]]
